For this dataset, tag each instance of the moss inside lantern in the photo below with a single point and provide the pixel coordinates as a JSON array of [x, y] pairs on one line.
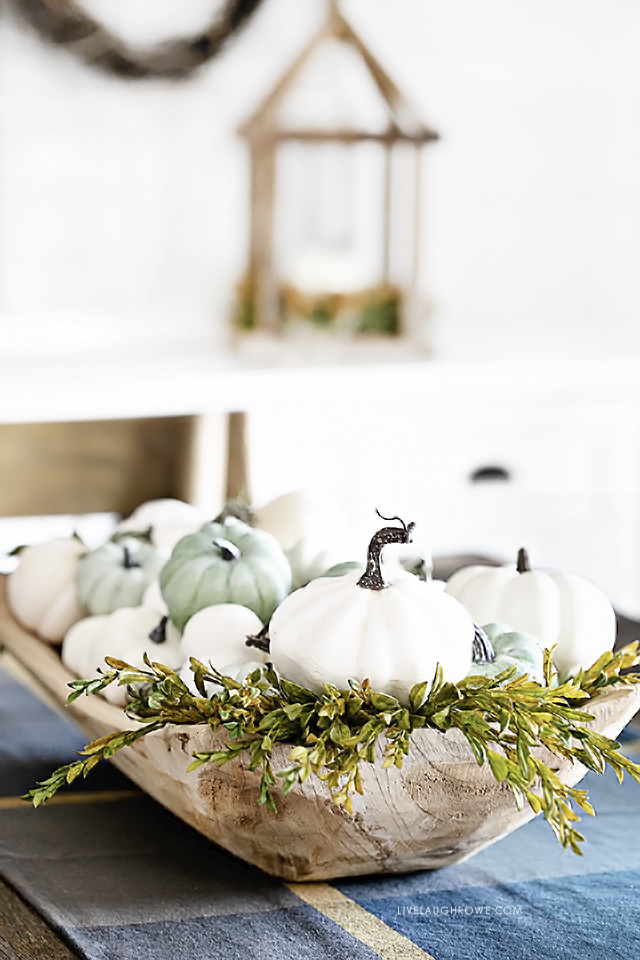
[[245, 314], [372, 312]]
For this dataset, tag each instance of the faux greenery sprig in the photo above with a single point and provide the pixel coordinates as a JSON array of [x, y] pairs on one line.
[[503, 718]]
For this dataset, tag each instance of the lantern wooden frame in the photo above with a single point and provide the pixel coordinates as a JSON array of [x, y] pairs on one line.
[[265, 136]]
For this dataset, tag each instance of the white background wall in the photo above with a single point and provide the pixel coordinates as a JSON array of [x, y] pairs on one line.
[[123, 205]]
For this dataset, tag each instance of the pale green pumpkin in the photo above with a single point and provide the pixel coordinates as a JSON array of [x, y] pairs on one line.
[[225, 563], [511, 647], [117, 573]]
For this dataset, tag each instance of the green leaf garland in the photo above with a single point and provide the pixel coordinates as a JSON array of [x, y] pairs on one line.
[[503, 719]]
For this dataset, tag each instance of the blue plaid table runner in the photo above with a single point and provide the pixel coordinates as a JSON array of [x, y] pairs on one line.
[[121, 878]]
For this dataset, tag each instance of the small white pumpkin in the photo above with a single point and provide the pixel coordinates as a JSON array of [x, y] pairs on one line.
[[300, 524], [76, 646], [41, 591], [168, 521], [359, 627], [127, 634], [557, 608], [218, 635], [308, 561], [286, 518], [152, 597]]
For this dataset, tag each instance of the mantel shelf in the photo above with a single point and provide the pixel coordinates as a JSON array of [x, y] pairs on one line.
[[184, 383]]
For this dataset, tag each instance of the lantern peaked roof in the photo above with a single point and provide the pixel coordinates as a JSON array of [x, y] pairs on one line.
[[336, 90]]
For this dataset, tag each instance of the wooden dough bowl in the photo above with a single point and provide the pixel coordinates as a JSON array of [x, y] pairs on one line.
[[440, 809]]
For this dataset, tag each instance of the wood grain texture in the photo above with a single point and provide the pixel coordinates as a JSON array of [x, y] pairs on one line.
[[106, 465], [238, 477], [440, 809], [24, 935]]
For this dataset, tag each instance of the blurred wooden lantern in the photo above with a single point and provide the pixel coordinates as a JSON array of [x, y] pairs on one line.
[[335, 196]]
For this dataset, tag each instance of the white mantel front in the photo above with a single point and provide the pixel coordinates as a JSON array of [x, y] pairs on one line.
[[182, 382]]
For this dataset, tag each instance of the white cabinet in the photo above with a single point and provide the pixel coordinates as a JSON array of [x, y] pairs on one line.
[[403, 438], [569, 454]]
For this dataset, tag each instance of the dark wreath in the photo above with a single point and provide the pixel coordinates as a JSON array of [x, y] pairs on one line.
[[65, 24]]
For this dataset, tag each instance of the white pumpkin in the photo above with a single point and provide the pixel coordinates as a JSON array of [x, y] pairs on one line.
[[286, 518], [168, 519], [358, 627], [557, 608], [126, 634], [152, 597], [300, 524], [308, 561], [41, 591], [218, 635], [77, 644]]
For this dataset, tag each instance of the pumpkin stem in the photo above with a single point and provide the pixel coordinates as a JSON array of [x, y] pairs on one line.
[[372, 578], [260, 640], [228, 550], [483, 651], [523, 561], [237, 509], [143, 535], [159, 633], [129, 561]]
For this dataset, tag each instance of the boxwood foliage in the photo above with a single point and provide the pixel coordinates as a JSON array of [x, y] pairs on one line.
[[503, 719]]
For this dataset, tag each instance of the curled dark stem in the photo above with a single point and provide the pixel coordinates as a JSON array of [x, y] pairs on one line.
[[260, 640], [372, 578], [228, 550], [523, 561], [483, 651], [391, 519], [130, 562], [159, 633]]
